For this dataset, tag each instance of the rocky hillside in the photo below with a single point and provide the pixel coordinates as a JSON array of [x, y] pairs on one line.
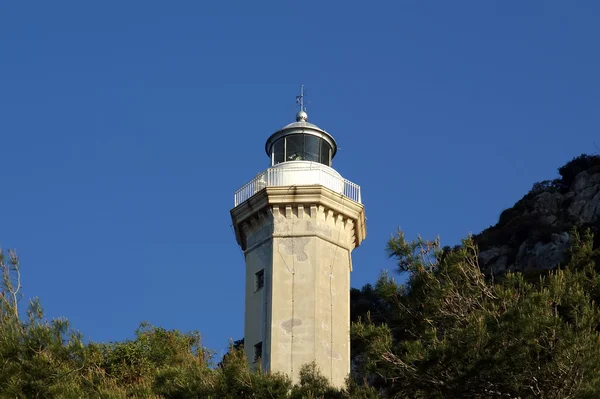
[[533, 235]]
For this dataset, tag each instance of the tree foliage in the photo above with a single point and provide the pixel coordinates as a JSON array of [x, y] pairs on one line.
[[452, 333], [47, 359], [447, 333]]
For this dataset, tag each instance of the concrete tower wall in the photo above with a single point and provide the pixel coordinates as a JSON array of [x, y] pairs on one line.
[[301, 237]]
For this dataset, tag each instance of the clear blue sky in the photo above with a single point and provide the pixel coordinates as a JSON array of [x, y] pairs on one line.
[[126, 127]]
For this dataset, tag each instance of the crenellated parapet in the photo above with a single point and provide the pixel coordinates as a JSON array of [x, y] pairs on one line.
[[299, 211]]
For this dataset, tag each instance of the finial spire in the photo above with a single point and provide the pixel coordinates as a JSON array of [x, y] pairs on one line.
[[300, 98], [301, 115]]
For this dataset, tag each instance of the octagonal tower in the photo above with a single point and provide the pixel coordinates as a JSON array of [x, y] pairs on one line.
[[297, 223]]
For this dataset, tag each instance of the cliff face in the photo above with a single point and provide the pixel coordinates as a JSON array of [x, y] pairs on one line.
[[533, 235]]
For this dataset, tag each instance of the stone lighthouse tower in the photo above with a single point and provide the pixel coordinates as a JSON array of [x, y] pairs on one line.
[[297, 223]]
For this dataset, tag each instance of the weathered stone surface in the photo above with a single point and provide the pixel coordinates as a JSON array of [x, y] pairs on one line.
[[495, 259], [585, 203], [543, 255], [547, 202], [568, 196], [579, 206], [584, 180], [549, 220]]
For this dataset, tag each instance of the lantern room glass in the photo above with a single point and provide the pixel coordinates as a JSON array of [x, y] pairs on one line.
[[301, 147]]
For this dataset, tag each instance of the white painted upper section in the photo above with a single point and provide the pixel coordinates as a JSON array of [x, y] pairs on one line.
[[305, 173], [299, 173]]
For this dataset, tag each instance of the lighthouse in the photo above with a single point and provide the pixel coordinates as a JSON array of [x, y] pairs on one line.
[[297, 223]]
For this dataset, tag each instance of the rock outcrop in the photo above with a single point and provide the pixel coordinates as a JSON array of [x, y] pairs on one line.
[[533, 235], [585, 198]]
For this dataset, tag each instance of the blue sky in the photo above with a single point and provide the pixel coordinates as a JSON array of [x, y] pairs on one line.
[[126, 127]]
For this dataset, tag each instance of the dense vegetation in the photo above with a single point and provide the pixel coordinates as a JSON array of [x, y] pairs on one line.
[[449, 332]]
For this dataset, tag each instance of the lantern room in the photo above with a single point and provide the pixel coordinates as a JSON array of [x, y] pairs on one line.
[[301, 141], [300, 154]]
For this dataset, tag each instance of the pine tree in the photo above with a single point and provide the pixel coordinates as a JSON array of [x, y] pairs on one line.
[[452, 333]]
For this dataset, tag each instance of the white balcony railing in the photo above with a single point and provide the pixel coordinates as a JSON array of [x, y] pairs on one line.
[[278, 176]]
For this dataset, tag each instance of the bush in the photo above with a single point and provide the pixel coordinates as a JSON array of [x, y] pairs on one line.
[[571, 169]]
